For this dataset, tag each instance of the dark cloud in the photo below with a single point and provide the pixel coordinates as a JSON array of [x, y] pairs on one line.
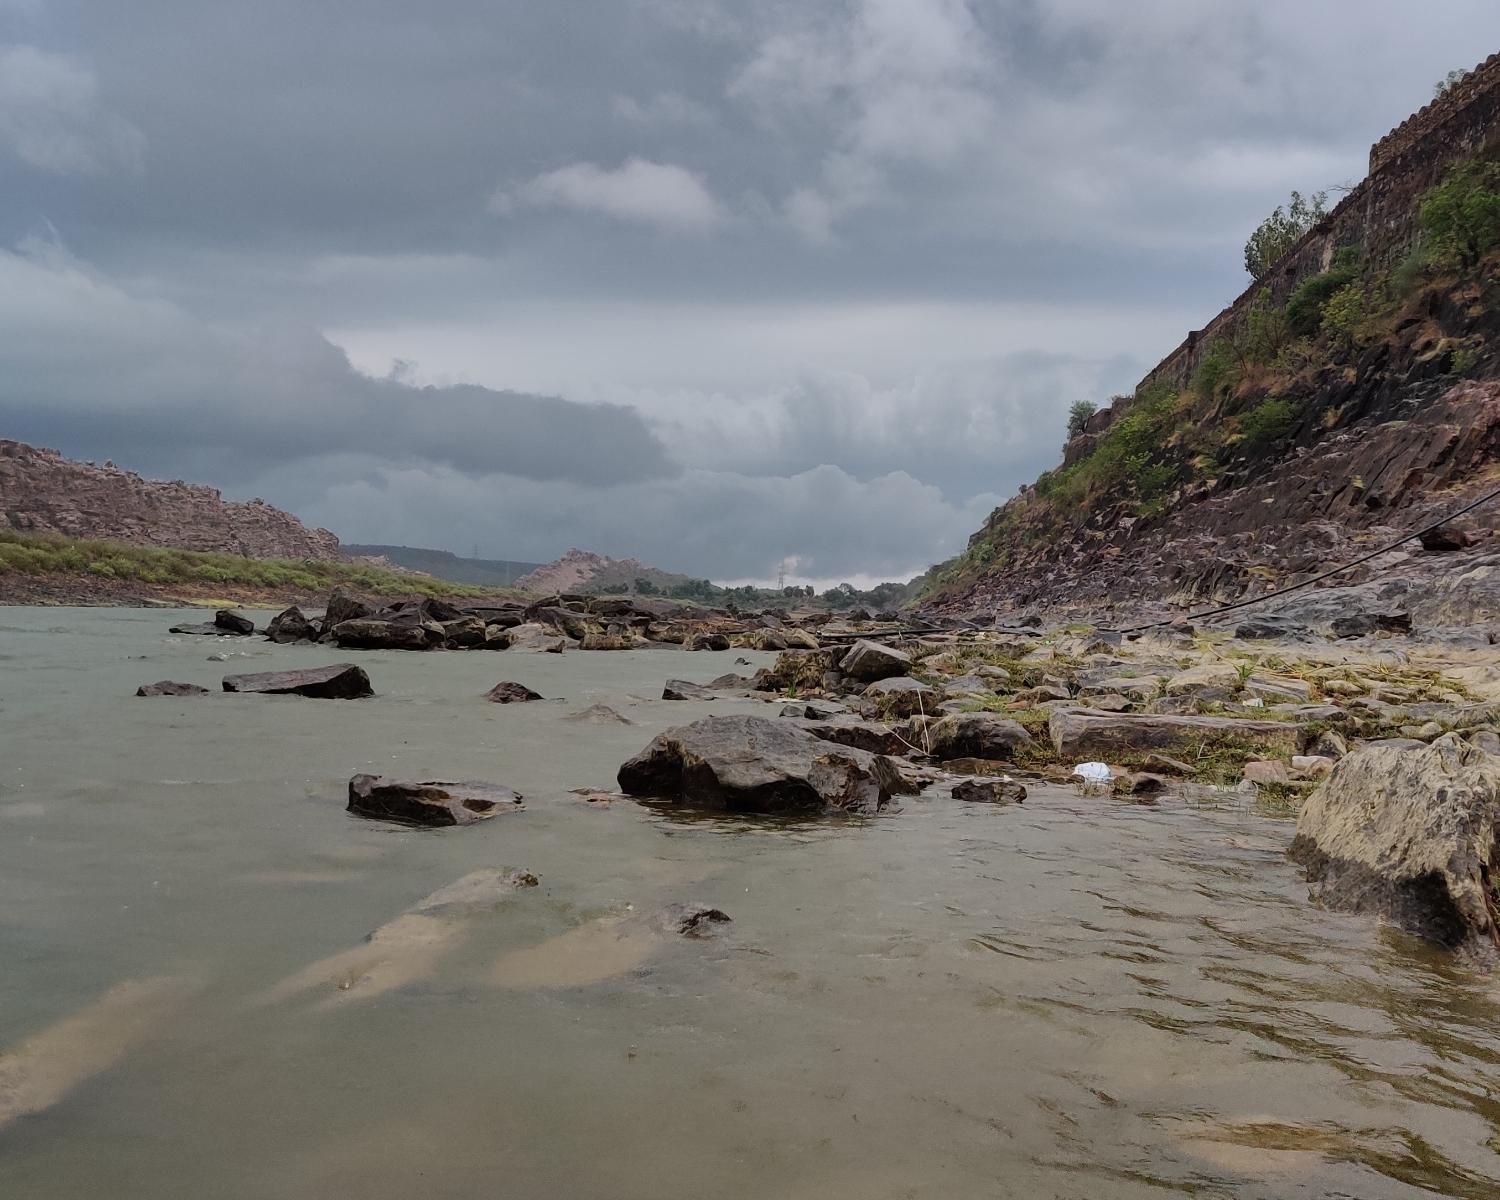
[[711, 260]]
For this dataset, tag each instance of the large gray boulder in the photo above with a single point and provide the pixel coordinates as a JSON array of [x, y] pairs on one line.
[[750, 764], [341, 681], [429, 801], [1410, 834], [290, 626], [869, 661], [1081, 733], [344, 606], [976, 735]]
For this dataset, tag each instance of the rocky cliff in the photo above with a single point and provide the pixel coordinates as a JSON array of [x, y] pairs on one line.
[[1351, 395], [42, 491]]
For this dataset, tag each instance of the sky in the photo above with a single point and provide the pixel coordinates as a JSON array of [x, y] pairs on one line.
[[719, 285]]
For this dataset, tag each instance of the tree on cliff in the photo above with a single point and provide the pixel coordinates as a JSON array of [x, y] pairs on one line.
[[1448, 82], [1282, 230], [1078, 416], [1461, 216]]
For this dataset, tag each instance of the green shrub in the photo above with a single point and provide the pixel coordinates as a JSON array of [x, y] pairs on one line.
[[1463, 360], [1078, 415], [1344, 312], [1304, 310], [1282, 230], [1215, 368], [1460, 217], [1272, 420]]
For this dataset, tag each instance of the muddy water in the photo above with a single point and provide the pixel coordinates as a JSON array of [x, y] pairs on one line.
[[1072, 998]]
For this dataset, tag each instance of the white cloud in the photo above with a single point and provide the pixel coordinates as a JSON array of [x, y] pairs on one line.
[[50, 117], [663, 195]]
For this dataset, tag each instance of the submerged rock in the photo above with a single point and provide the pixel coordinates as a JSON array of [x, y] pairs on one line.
[[990, 791], [204, 629], [511, 693], [1410, 834], [429, 802], [341, 681], [170, 687], [750, 764], [599, 714]]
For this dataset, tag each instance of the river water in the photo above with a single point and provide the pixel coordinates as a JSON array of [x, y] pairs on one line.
[[1070, 998]]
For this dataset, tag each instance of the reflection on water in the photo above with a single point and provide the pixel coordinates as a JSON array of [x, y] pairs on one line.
[[1070, 998]]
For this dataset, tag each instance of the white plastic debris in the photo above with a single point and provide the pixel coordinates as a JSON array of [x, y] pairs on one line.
[[1257, 702], [1092, 772]]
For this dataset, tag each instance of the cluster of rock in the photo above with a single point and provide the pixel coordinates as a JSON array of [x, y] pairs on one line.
[[553, 624]]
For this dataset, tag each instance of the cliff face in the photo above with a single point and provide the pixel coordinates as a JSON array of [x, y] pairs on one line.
[[42, 491], [1351, 395]]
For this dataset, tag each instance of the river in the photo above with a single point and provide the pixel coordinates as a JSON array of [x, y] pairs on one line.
[[1073, 997]]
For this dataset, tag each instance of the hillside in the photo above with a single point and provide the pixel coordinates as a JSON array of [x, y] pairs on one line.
[[582, 571], [480, 572], [43, 492], [1350, 395]]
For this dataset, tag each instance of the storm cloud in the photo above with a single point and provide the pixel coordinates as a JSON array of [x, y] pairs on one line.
[[716, 284]]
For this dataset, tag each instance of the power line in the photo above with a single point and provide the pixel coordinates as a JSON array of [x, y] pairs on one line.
[[1306, 583]]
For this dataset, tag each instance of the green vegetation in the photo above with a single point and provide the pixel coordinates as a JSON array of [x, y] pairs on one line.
[[1271, 421], [52, 554], [1448, 82], [1078, 415], [1461, 216], [1306, 308], [1282, 230]]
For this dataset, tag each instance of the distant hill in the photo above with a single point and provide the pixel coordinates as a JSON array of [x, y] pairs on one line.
[[483, 572], [581, 571], [43, 492]]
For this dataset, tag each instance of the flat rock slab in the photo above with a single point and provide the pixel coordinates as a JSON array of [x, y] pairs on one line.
[[681, 689], [429, 801], [754, 765], [1410, 834], [1081, 733], [341, 681], [205, 629], [170, 687], [974, 735]]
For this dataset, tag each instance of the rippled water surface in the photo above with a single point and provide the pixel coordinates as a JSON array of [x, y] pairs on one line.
[[1070, 998]]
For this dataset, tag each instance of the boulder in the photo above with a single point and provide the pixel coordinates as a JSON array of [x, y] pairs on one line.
[[511, 693], [429, 802], [564, 620], [345, 606], [464, 633], [976, 735], [903, 697], [1446, 538], [291, 626], [868, 661], [1268, 770], [538, 638], [1207, 681], [750, 764], [844, 730], [370, 634], [1279, 689], [341, 681], [232, 622], [706, 641], [170, 687], [1080, 734], [681, 689], [990, 791], [1269, 626], [1412, 835], [1361, 624]]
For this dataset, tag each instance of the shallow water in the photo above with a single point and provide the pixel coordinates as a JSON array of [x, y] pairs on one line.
[[1070, 998]]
